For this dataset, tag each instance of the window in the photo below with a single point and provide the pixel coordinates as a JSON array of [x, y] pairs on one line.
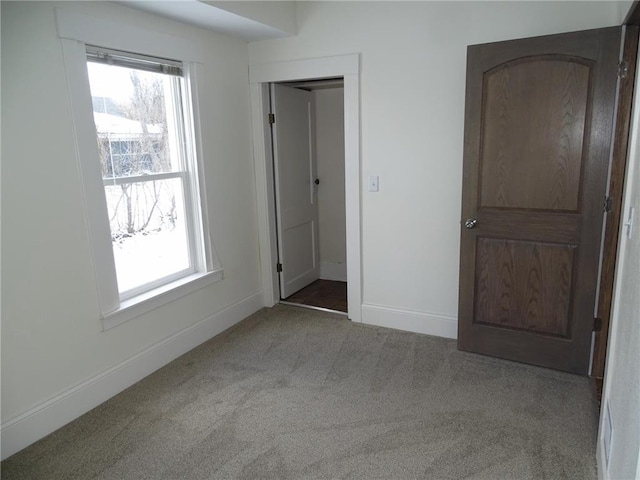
[[139, 117], [134, 101]]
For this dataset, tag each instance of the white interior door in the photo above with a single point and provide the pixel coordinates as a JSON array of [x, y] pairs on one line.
[[297, 213]]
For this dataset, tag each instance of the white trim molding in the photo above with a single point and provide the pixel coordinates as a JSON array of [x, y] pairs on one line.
[[24, 429], [347, 67], [132, 308], [265, 192], [418, 322], [306, 69], [75, 32]]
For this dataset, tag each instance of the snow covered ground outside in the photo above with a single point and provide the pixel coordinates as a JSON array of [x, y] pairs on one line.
[[143, 258]]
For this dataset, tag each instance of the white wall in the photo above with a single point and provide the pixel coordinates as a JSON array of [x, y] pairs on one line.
[[621, 393], [51, 334], [329, 130], [623, 8], [412, 109]]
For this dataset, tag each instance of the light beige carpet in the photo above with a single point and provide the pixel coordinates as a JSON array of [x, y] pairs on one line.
[[291, 393]]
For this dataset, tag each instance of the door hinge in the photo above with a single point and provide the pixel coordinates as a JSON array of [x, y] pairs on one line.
[[272, 119], [623, 69], [278, 267], [597, 324], [608, 204]]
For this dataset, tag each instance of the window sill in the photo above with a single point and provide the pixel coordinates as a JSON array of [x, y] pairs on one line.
[[136, 306]]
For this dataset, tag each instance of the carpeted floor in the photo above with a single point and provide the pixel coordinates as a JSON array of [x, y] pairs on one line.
[[291, 393]]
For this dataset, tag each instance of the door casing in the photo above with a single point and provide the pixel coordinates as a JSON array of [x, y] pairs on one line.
[[615, 192], [347, 67]]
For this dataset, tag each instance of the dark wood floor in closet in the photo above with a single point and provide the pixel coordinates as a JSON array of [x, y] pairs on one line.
[[322, 293]]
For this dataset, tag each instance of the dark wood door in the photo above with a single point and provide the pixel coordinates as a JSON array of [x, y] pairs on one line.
[[538, 128]]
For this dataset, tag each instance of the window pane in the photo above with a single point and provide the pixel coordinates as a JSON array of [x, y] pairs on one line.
[[140, 131], [148, 231], [136, 115]]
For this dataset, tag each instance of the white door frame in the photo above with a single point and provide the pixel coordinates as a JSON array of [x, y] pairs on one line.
[[348, 67]]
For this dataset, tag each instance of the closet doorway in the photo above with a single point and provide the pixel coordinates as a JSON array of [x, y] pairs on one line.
[[261, 76], [307, 130]]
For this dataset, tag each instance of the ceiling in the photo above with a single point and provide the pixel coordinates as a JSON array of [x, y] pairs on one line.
[[208, 16]]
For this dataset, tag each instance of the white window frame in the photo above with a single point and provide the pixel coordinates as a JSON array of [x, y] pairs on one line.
[[75, 32]]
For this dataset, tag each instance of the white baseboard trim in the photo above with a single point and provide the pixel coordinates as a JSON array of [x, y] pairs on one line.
[[417, 322], [333, 271], [32, 425], [601, 461]]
